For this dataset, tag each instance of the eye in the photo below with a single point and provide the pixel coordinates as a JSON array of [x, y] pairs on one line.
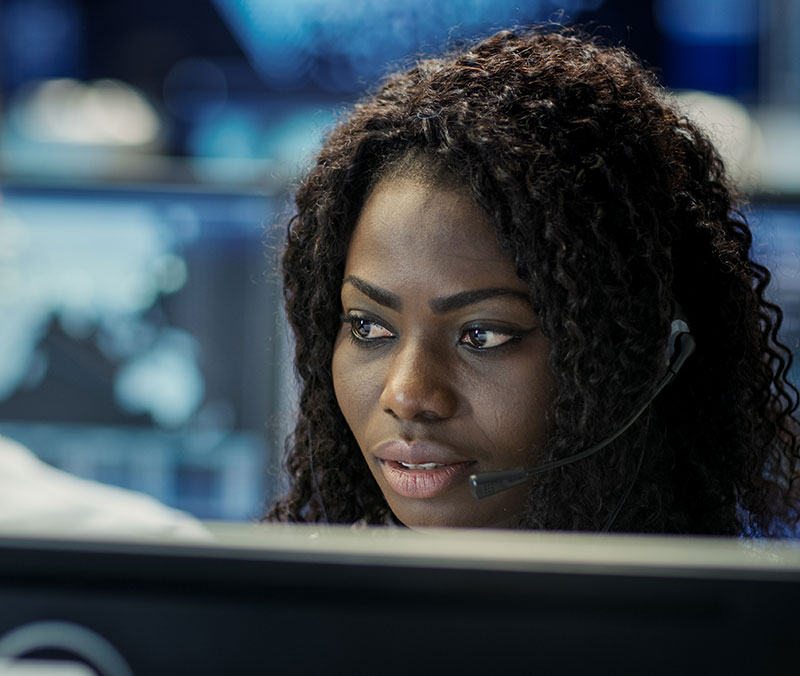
[[480, 338], [366, 329]]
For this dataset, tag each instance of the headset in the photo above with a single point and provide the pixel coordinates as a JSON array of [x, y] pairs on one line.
[[680, 346]]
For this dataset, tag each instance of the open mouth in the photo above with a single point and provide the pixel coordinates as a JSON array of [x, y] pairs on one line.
[[424, 465], [426, 479]]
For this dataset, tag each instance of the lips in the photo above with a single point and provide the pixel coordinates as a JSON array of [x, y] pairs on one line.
[[422, 469]]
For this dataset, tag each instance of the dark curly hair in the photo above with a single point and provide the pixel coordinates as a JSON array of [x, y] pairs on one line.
[[613, 207]]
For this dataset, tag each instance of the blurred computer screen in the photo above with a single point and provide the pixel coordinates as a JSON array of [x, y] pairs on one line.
[[140, 340]]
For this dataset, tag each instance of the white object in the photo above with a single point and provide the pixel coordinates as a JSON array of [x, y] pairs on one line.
[[36, 496]]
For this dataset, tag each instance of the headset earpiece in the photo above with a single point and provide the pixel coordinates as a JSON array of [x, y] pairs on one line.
[[680, 344]]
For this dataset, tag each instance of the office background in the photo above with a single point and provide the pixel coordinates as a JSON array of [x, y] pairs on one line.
[[148, 152]]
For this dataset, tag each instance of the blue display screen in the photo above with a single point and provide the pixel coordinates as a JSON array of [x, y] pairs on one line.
[[139, 337]]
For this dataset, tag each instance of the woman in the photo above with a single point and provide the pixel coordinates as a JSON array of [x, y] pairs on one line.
[[483, 273]]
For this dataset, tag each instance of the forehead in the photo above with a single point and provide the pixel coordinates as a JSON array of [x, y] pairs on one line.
[[408, 229]]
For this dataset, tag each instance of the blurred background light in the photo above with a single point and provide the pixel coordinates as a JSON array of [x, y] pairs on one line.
[[735, 133], [105, 112]]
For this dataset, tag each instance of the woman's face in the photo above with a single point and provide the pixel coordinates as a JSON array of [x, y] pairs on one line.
[[439, 368]]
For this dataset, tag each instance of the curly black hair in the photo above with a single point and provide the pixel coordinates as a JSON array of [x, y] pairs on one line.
[[613, 207]]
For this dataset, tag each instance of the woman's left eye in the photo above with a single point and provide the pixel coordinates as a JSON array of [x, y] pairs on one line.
[[485, 339]]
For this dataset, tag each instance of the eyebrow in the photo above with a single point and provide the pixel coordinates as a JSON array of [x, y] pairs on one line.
[[439, 306], [379, 295]]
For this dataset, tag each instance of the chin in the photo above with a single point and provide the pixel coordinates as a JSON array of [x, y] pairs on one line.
[[428, 516]]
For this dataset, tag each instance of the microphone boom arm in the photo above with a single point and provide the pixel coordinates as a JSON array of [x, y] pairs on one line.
[[486, 484]]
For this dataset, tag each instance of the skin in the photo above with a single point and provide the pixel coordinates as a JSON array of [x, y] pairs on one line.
[[464, 380]]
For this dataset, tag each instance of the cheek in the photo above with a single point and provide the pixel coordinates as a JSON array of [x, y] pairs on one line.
[[513, 411], [509, 421]]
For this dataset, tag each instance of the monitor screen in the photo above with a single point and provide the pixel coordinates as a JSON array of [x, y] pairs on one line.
[[141, 339]]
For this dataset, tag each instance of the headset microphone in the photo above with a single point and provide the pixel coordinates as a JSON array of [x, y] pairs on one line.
[[680, 347]]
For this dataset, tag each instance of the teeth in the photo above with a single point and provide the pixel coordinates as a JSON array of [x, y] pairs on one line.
[[424, 465]]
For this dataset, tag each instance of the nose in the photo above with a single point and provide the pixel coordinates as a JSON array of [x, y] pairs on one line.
[[419, 385]]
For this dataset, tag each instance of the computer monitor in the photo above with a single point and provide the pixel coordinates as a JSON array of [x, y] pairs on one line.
[[142, 340], [343, 601]]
